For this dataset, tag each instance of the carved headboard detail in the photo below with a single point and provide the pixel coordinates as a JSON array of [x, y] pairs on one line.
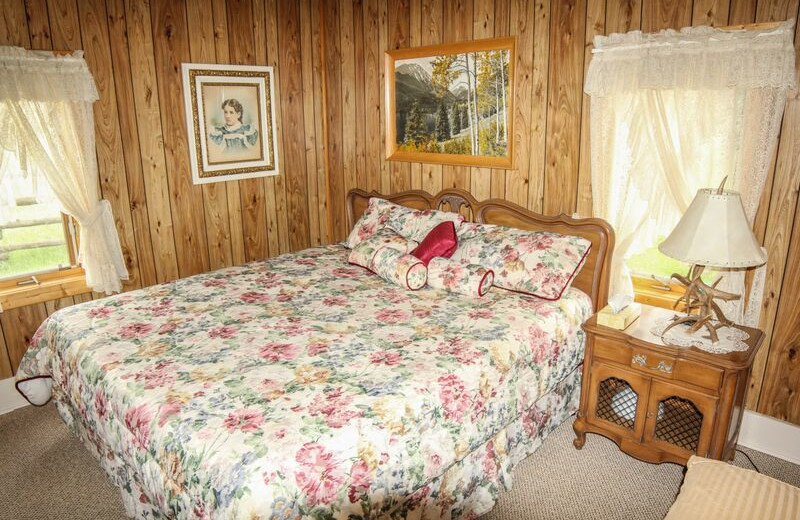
[[594, 276]]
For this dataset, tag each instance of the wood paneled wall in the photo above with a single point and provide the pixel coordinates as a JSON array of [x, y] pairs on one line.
[[551, 127], [329, 64], [168, 227]]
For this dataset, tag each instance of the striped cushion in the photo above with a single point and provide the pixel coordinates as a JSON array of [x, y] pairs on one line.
[[713, 489]]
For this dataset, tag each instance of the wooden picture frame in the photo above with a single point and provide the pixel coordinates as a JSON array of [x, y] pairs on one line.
[[230, 116], [451, 103]]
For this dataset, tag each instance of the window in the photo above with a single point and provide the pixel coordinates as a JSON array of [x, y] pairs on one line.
[[35, 237], [674, 112]]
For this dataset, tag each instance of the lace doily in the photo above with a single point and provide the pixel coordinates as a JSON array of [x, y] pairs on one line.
[[731, 339]]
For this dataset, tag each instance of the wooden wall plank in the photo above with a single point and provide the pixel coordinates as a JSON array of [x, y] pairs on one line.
[[373, 90], [539, 112], [108, 140], [623, 16], [482, 27], [781, 190], [415, 40], [431, 30], [38, 24], [310, 65], [780, 397], [742, 11], [383, 40], [242, 49], [710, 12], [348, 93], [14, 25], [502, 28], [278, 182], [595, 25], [274, 191], [359, 95], [131, 153], [200, 17], [399, 20], [6, 370], [171, 48], [522, 26], [65, 30], [151, 139], [19, 326], [232, 192], [666, 14], [335, 136], [291, 81], [323, 180], [565, 96]]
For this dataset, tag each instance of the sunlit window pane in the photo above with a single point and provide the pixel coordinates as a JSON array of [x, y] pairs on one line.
[[32, 237]]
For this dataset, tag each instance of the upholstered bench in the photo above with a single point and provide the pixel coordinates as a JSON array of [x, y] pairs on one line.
[[714, 490]]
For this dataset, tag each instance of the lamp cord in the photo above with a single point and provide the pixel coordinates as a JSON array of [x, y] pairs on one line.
[[751, 460]]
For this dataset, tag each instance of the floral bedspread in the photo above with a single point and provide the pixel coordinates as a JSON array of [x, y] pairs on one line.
[[297, 386]]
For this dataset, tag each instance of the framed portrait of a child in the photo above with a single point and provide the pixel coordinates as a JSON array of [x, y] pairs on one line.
[[230, 114]]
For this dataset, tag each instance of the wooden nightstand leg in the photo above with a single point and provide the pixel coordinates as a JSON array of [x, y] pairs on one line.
[[580, 435]]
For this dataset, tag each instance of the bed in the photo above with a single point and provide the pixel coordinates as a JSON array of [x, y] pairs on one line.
[[301, 386]]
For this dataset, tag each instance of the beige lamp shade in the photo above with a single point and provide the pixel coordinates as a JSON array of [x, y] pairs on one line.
[[714, 232]]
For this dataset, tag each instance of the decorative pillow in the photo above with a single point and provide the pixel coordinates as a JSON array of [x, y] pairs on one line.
[[441, 241], [532, 262], [399, 268], [374, 218], [470, 280], [363, 253], [416, 224]]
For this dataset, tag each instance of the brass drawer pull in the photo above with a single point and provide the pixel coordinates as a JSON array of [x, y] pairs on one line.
[[641, 360]]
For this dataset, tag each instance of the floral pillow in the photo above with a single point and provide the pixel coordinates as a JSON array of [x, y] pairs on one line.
[[400, 268], [408, 222], [449, 275], [532, 262], [374, 218], [416, 224], [364, 252]]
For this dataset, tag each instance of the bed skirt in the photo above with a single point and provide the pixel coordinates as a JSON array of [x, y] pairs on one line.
[[467, 489]]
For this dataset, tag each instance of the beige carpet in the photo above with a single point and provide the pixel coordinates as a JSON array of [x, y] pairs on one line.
[[45, 473]]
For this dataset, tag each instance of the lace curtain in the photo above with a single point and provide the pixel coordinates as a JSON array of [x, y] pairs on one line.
[[673, 112], [46, 120]]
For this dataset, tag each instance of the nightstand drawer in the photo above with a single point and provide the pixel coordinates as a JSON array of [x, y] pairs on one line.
[[652, 364], [698, 374], [612, 350], [641, 360]]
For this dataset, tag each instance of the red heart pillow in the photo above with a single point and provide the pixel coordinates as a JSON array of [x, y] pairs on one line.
[[440, 241]]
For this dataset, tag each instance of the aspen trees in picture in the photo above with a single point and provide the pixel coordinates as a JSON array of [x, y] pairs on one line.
[[451, 103]]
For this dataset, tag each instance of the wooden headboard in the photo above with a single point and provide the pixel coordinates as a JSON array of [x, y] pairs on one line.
[[594, 276]]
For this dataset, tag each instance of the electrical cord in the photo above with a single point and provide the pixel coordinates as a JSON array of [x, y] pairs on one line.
[[751, 460]]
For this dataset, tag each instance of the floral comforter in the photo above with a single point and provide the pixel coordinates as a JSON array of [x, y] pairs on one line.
[[298, 386]]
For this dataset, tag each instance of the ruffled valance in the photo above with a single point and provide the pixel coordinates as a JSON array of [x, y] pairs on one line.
[[43, 76], [693, 58]]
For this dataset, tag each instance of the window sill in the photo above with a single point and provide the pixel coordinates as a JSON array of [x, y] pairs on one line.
[[51, 286]]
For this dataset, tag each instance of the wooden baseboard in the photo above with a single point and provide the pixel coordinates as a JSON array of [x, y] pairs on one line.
[[10, 399], [771, 436]]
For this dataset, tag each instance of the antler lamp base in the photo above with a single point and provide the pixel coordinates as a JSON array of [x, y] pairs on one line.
[[702, 311]]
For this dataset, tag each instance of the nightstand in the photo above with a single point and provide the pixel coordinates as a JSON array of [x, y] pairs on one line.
[[661, 403]]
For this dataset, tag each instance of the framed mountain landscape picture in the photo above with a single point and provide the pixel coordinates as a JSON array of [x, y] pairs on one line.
[[451, 104]]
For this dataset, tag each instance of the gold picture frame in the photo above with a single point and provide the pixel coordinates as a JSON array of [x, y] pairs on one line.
[[230, 116], [451, 103]]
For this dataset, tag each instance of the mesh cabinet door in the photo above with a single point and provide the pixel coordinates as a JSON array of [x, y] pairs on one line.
[[679, 420], [617, 400]]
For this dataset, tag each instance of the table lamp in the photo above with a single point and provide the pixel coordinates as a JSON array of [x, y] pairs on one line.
[[713, 232]]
